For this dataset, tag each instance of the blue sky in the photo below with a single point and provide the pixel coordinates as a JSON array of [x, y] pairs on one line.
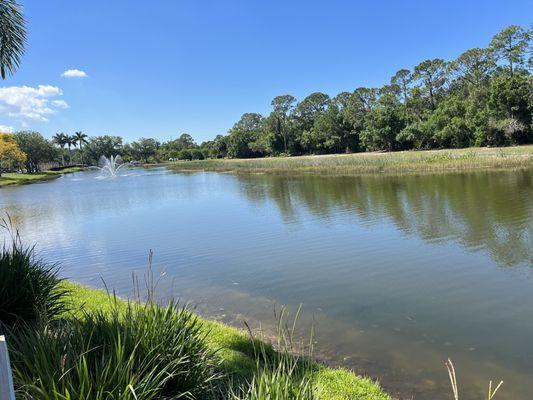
[[160, 68]]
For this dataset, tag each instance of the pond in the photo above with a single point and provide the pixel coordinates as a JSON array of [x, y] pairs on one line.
[[396, 273]]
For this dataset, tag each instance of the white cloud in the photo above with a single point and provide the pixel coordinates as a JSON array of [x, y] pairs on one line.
[[27, 103], [74, 73], [60, 103], [7, 129]]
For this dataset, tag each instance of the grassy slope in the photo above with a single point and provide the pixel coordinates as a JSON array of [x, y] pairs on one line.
[[395, 162], [236, 352], [23, 179]]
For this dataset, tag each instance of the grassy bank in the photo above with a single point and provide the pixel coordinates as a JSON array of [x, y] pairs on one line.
[[361, 163], [9, 179], [235, 351]]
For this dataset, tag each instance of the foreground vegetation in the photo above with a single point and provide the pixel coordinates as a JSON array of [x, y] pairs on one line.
[[396, 162], [17, 178], [236, 357], [71, 342]]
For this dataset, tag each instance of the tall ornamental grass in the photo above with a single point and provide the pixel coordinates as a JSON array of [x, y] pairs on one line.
[[138, 351], [30, 289]]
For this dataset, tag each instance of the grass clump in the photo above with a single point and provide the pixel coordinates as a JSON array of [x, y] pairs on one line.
[[281, 380], [282, 374], [30, 289], [137, 351]]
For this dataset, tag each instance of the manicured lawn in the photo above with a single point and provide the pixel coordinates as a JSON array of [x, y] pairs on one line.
[[236, 352]]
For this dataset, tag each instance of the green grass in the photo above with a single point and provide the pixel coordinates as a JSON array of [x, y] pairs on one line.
[[236, 353], [8, 179], [361, 163]]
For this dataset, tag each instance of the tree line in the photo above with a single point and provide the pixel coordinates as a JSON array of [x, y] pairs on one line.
[[29, 151], [482, 98]]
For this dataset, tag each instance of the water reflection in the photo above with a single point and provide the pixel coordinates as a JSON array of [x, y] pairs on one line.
[[400, 272], [483, 210]]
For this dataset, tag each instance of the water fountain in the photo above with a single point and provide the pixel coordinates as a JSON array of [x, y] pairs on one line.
[[111, 166]]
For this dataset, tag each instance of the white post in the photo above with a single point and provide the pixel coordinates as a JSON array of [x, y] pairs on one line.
[[7, 391]]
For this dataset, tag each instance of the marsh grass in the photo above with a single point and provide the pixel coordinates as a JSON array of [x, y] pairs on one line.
[[30, 289], [361, 163]]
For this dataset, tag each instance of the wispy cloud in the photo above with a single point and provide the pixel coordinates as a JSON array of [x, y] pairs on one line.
[[74, 73], [6, 129], [26, 103], [60, 103]]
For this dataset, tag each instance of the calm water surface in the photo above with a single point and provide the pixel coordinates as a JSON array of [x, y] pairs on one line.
[[399, 273]]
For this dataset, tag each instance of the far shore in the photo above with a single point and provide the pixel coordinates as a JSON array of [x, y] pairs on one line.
[[474, 158], [401, 162], [16, 178]]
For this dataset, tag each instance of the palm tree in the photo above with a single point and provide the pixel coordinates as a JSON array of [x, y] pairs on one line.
[[12, 37], [70, 141], [80, 139], [61, 140]]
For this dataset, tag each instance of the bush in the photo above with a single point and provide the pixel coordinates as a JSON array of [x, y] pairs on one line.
[[185, 154], [137, 351], [196, 154], [29, 287]]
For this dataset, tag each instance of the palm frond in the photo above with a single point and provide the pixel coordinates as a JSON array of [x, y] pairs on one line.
[[12, 37]]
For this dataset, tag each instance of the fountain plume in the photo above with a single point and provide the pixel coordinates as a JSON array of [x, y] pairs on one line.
[[111, 166]]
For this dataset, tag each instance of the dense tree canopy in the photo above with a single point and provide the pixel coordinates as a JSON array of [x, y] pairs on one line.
[[11, 157], [37, 149], [483, 98], [105, 145]]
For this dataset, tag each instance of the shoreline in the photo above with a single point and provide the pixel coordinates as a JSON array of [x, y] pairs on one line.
[[404, 162], [17, 179], [236, 352]]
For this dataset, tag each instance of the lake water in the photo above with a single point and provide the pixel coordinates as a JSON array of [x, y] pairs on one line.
[[398, 273]]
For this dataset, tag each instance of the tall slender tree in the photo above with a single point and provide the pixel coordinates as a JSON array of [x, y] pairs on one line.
[[70, 141], [511, 44], [80, 139], [60, 139], [432, 74], [282, 105]]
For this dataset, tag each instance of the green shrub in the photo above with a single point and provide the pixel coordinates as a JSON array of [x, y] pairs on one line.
[[29, 287], [185, 154], [140, 351], [196, 154]]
